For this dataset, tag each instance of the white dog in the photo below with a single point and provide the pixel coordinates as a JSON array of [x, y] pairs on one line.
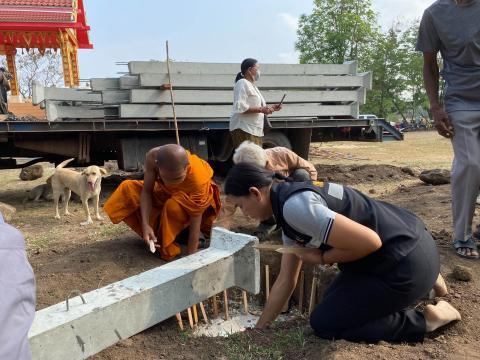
[[86, 185]]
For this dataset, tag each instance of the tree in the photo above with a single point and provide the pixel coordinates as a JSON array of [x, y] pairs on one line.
[[341, 30], [388, 86], [413, 71], [336, 31], [33, 66]]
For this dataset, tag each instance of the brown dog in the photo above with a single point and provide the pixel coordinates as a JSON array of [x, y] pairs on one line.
[[86, 185]]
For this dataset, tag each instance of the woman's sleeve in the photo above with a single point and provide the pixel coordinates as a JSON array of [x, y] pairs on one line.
[[308, 214], [240, 95]]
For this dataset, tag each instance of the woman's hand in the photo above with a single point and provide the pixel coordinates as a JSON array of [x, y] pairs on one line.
[[266, 110], [276, 107]]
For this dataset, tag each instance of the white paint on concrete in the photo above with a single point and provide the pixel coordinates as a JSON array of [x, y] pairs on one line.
[[127, 307], [221, 327]]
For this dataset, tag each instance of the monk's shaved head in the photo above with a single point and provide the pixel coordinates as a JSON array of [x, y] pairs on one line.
[[171, 157]]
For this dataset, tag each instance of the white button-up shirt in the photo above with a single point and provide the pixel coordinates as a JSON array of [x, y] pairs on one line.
[[246, 95]]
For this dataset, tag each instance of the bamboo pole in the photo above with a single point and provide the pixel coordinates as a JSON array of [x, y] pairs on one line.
[[301, 291], [215, 305], [267, 282], [225, 303], [195, 314], [179, 320], [190, 319], [172, 98], [245, 301], [313, 293], [204, 313]]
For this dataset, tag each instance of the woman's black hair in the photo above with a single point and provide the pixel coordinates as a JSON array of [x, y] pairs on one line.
[[246, 64], [243, 176]]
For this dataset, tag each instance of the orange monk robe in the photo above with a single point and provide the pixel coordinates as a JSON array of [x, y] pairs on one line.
[[172, 205]]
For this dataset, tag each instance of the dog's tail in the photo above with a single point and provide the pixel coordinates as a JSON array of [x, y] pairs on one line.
[[64, 163]]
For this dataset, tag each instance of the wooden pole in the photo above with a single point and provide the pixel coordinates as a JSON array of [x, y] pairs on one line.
[[245, 301], [313, 293], [267, 282], [204, 313], [225, 303], [172, 97], [215, 305], [301, 291], [195, 314], [179, 319], [190, 319]]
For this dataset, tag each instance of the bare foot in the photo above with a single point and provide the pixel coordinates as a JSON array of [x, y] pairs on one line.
[[439, 315], [440, 288]]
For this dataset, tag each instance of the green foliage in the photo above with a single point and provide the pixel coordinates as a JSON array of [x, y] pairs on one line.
[[336, 31], [340, 30]]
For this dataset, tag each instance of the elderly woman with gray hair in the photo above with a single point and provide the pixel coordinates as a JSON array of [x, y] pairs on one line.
[[277, 159], [280, 160]]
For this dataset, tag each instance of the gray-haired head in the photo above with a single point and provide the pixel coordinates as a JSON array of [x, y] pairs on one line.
[[251, 153]]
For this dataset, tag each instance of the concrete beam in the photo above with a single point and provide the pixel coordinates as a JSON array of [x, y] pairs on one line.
[[99, 84], [127, 307], [129, 82], [41, 93], [153, 96], [147, 111], [200, 81], [115, 96], [160, 67], [57, 112]]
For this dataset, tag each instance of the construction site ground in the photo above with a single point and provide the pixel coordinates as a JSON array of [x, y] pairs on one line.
[[66, 256]]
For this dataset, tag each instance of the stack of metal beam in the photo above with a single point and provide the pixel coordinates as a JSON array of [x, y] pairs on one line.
[[205, 91]]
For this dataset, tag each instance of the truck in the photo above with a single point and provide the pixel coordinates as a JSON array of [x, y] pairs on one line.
[[121, 118]]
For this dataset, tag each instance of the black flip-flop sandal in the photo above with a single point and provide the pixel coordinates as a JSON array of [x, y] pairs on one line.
[[468, 244]]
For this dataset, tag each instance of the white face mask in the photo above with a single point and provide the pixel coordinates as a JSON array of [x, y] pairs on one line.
[[256, 77]]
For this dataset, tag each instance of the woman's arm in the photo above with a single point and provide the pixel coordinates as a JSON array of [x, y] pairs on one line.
[[350, 241], [306, 212], [282, 289]]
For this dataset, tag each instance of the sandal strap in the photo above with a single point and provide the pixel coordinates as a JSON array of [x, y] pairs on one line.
[[469, 243]]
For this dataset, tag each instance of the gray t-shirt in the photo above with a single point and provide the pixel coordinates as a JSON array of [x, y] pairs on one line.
[[17, 294], [454, 30], [307, 213]]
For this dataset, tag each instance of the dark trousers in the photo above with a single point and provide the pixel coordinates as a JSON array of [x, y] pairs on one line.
[[364, 306]]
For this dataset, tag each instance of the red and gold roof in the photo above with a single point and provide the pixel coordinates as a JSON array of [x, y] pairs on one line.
[[36, 23]]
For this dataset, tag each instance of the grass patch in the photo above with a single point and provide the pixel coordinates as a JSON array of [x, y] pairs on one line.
[[39, 242], [254, 344]]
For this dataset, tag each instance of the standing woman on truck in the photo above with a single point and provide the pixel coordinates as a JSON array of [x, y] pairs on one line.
[[249, 106], [387, 259]]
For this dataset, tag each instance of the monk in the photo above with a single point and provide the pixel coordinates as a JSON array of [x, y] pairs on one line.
[[177, 192]]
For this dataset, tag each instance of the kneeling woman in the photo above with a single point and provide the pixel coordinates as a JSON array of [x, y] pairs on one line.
[[387, 259]]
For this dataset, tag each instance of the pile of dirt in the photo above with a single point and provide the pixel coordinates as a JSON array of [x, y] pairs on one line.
[[355, 174]]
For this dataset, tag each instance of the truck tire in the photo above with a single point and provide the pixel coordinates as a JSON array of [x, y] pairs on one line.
[[276, 138]]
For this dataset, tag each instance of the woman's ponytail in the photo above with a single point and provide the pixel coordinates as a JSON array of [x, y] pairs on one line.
[[239, 76]]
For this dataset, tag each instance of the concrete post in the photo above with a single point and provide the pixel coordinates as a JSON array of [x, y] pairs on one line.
[[127, 307]]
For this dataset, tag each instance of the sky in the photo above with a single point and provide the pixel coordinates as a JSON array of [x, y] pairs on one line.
[[205, 31]]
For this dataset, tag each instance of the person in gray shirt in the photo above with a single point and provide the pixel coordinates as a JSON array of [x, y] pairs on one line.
[[387, 259], [17, 294], [452, 27]]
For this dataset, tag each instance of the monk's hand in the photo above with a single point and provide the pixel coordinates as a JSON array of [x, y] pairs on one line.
[[442, 122], [149, 237]]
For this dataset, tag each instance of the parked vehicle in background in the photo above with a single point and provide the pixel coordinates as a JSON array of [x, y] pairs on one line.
[[367, 117]]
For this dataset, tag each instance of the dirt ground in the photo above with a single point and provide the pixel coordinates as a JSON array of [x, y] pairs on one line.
[[66, 256]]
